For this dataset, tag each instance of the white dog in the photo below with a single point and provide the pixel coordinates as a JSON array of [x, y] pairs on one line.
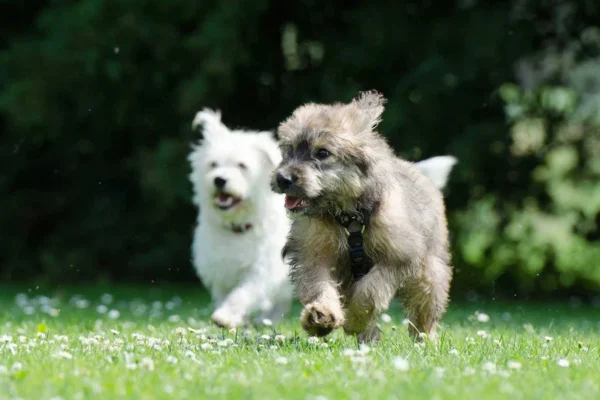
[[242, 225]]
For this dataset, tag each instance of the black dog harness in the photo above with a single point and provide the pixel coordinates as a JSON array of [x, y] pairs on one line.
[[354, 225]]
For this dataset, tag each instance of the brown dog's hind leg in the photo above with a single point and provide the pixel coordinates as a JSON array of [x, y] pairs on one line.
[[425, 297], [371, 335]]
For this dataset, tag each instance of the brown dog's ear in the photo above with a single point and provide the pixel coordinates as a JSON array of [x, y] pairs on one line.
[[362, 163], [358, 155], [371, 104]]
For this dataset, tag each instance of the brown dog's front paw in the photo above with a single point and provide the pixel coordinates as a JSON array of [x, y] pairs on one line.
[[319, 320]]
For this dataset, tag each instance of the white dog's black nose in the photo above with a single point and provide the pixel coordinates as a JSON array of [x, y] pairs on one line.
[[284, 181], [220, 182]]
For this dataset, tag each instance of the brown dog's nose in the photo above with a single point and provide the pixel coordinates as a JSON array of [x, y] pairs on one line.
[[284, 181]]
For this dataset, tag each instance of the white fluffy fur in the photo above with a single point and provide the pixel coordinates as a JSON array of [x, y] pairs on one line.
[[243, 271], [437, 169]]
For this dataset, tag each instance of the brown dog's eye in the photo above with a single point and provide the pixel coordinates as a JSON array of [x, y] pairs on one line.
[[322, 154], [242, 166]]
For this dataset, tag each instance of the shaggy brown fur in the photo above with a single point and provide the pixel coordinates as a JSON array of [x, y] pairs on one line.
[[334, 162]]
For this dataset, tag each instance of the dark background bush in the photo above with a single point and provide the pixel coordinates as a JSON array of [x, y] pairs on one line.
[[97, 97]]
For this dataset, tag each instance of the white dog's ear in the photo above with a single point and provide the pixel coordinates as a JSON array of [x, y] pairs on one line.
[[437, 169], [210, 120], [371, 105], [266, 142]]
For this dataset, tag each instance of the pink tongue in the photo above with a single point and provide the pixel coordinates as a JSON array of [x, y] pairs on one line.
[[291, 202]]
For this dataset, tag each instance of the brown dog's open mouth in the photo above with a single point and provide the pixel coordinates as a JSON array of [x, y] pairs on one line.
[[295, 204], [225, 201]]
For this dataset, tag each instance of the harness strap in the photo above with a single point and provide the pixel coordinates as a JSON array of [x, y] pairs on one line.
[[354, 225]]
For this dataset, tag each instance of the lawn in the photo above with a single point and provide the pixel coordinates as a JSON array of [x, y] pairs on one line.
[[153, 343]]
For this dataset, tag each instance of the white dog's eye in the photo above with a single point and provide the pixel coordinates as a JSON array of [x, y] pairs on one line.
[[242, 166], [213, 164]]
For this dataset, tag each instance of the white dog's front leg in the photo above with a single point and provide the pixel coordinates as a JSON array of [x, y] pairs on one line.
[[234, 309], [256, 292]]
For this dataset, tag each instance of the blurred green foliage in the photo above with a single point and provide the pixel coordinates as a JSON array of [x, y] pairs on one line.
[[97, 97], [547, 237]]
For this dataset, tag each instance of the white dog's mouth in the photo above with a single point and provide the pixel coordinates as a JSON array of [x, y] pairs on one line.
[[226, 201], [296, 204]]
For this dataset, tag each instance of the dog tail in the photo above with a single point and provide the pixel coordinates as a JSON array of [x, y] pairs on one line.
[[211, 121], [437, 169]]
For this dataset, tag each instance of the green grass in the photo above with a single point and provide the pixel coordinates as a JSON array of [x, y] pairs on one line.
[[61, 347]]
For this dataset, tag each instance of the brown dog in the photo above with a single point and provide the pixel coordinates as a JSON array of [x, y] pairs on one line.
[[368, 226]]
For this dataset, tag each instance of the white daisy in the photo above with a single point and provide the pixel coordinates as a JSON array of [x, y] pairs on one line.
[[102, 309], [563, 363], [348, 352], [206, 346], [313, 340], [363, 350], [53, 312], [16, 367], [169, 389], [400, 363], [386, 318], [174, 318], [513, 365], [147, 363], [64, 354], [489, 367], [82, 303], [482, 317], [106, 298], [5, 338]]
